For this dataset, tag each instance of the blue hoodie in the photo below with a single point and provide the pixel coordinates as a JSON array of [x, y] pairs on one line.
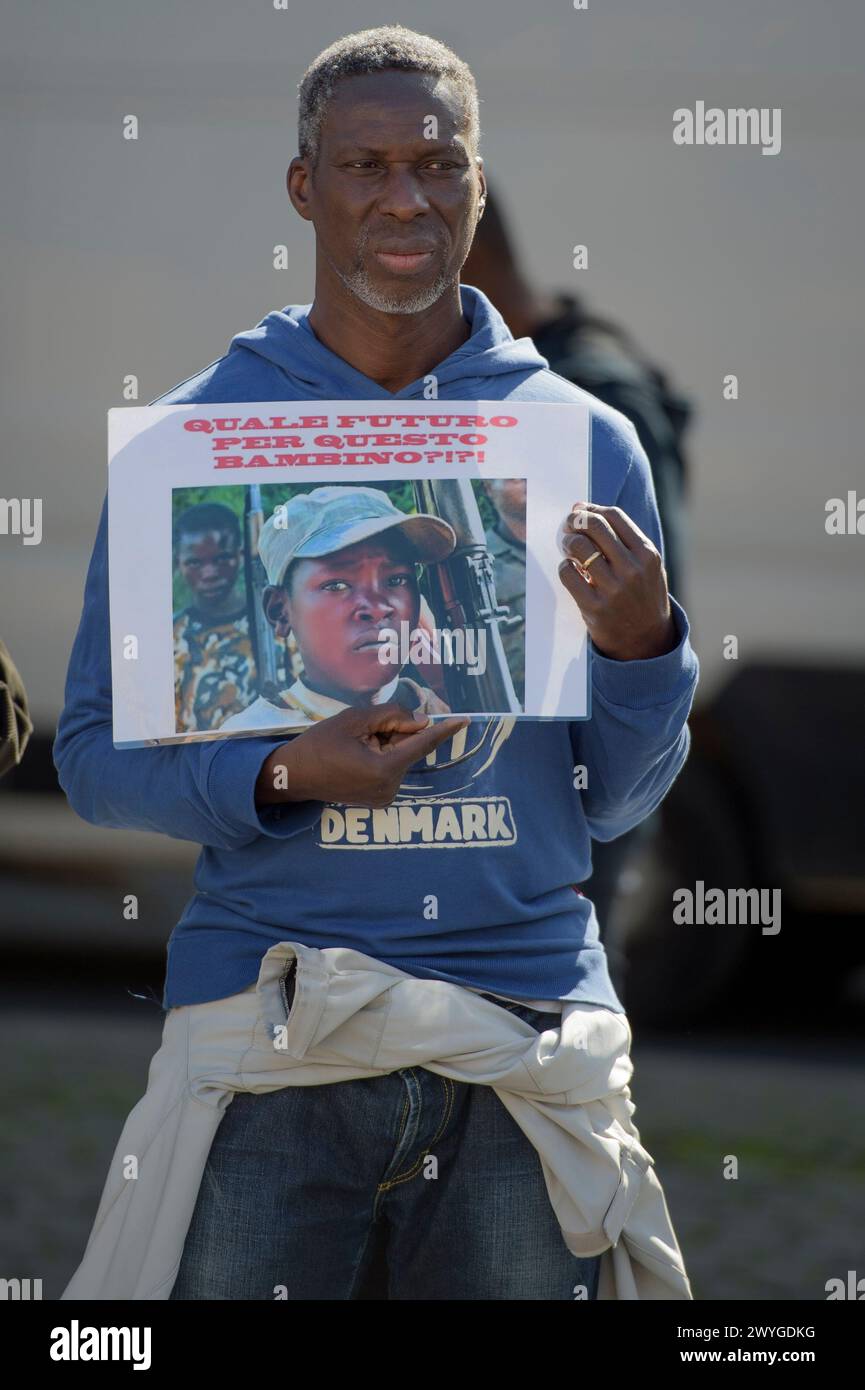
[[473, 875]]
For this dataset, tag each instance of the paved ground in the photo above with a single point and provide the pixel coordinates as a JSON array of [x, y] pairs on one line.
[[794, 1218]]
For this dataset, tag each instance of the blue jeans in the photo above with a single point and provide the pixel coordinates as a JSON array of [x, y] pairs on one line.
[[419, 1185]]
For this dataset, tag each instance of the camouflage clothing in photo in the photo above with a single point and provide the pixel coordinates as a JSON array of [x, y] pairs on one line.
[[214, 668]]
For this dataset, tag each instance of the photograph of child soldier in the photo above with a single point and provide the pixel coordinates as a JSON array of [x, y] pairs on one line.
[[213, 658], [506, 540], [343, 565]]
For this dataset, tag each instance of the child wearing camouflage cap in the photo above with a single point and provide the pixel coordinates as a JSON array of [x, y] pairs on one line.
[[342, 567]]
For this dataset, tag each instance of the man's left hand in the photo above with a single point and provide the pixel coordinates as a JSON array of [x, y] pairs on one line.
[[623, 594]]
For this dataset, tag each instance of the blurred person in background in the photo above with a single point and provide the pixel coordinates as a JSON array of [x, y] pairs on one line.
[[604, 360], [15, 724]]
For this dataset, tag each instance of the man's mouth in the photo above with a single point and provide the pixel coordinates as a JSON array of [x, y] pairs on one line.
[[403, 262]]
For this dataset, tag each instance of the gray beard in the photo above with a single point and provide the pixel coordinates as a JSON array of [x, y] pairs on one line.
[[360, 284], [386, 302]]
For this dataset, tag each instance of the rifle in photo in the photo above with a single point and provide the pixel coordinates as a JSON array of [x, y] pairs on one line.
[[463, 595]]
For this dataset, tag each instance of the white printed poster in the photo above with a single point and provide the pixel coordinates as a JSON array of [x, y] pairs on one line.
[[271, 564]]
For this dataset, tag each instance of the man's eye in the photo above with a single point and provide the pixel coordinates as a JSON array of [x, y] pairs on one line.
[[446, 164], [331, 582], [401, 578]]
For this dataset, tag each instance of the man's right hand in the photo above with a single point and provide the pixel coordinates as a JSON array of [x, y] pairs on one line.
[[357, 757]]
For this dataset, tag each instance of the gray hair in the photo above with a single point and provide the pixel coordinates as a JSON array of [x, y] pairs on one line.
[[376, 50]]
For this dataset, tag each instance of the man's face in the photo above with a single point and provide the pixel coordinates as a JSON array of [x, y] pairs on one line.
[[209, 564], [381, 186], [337, 606]]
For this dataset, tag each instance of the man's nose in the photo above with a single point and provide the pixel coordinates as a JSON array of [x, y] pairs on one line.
[[403, 194]]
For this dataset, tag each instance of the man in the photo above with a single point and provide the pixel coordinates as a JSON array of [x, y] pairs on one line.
[[302, 1183], [213, 661], [341, 568]]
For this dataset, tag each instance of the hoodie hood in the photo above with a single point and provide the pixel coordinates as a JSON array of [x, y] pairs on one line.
[[285, 340]]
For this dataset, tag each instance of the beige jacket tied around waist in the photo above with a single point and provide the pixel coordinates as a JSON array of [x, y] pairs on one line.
[[353, 1016]]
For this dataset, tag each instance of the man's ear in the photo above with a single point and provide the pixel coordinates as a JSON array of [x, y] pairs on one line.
[[277, 609], [297, 183]]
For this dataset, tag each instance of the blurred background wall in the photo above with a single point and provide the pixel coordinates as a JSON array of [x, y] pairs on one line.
[[145, 257]]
